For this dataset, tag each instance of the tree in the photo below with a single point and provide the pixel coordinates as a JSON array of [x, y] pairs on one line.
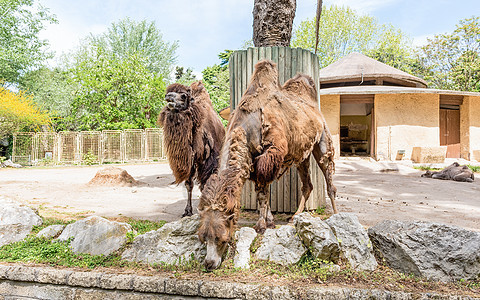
[[20, 47], [114, 93], [19, 112], [272, 22], [343, 31], [184, 77], [51, 89], [452, 61], [127, 37]]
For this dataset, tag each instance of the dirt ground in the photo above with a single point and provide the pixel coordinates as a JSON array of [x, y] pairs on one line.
[[374, 191]]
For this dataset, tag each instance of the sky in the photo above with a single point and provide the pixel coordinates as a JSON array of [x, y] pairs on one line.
[[205, 28]]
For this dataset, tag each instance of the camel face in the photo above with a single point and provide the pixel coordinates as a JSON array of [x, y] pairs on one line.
[[215, 232], [178, 97]]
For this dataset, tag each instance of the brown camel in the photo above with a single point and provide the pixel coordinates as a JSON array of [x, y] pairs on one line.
[[193, 135], [453, 172], [273, 128]]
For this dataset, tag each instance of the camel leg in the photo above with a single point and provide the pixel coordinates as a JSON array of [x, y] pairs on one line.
[[188, 209], [265, 218], [326, 165], [307, 185]]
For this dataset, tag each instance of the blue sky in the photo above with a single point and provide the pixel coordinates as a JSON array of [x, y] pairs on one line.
[[205, 28]]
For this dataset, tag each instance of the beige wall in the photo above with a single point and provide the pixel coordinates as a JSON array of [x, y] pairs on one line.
[[473, 103], [330, 107], [404, 121]]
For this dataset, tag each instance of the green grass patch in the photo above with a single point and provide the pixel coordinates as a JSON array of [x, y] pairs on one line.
[[54, 253], [143, 226], [475, 169], [426, 168]]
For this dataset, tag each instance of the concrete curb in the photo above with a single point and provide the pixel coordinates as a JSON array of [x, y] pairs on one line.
[[51, 283]]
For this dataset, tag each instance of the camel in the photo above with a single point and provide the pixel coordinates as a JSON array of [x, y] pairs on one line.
[[193, 136], [273, 128], [453, 172]]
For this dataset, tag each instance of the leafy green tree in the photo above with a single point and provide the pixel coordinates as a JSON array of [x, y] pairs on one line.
[[20, 46], [115, 93], [127, 37], [185, 77], [52, 89], [343, 31], [452, 61]]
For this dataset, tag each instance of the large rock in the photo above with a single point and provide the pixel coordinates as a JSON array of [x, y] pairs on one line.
[[317, 236], [281, 245], [244, 237], [355, 245], [96, 235], [174, 242], [10, 164], [12, 212], [432, 250], [12, 233], [50, 231], [16, 221]]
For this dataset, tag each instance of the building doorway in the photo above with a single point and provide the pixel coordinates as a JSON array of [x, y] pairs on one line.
[[450, 131], [356, 124]]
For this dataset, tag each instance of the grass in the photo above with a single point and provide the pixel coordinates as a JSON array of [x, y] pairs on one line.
[[475, 169], [308, 271]]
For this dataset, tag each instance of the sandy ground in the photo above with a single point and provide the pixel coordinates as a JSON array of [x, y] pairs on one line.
[[372, 190]]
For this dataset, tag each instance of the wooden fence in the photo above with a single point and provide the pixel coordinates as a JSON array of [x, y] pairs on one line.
[[285, 193], [69, 147]]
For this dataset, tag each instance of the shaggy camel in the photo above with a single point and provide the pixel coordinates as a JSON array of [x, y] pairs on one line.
[[453, 172], [193, 135], [273, 128]]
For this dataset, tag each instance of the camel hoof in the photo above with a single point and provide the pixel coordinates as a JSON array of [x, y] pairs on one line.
[[187, 214], [259, 230], [271, 225]]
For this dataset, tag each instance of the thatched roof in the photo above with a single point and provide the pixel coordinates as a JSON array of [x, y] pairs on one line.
[[358, 69]]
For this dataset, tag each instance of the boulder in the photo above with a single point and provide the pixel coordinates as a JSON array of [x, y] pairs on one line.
[[432, 250], [10, 164], [16, 221], [50, 231], [173, 243], [96, 235], [281, 245], [317, 236], [244, 237], [12, 233], [12, 212], [355, 245]]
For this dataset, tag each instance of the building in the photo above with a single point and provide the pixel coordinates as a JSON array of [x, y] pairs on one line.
[[373, 109]]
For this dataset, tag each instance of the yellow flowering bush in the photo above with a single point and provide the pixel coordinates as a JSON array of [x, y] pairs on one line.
[[18, 112]]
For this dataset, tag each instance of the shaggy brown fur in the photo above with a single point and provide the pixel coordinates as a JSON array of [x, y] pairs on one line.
[[193, 135], [273, 128], [453, 172]]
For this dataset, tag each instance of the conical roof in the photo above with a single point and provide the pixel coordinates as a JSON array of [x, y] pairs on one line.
[[361, 69]]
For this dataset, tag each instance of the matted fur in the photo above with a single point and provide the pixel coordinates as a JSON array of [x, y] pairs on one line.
[[273, 128], [192, 137]]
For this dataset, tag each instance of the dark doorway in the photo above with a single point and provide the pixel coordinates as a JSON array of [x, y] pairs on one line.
[[356, 119]]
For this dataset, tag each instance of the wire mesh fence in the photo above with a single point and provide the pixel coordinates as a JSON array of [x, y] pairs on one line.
[[88, 147]]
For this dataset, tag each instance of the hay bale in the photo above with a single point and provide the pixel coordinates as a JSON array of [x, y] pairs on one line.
[[112, 176]]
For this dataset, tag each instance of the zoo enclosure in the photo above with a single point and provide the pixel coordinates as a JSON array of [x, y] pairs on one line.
[[69, 147]]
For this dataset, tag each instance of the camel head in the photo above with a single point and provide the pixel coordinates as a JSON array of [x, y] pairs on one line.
[[217, 222], [178, 97], [216, 229]]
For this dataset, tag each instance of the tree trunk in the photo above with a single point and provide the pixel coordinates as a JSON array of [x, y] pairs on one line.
[[272, 22]]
